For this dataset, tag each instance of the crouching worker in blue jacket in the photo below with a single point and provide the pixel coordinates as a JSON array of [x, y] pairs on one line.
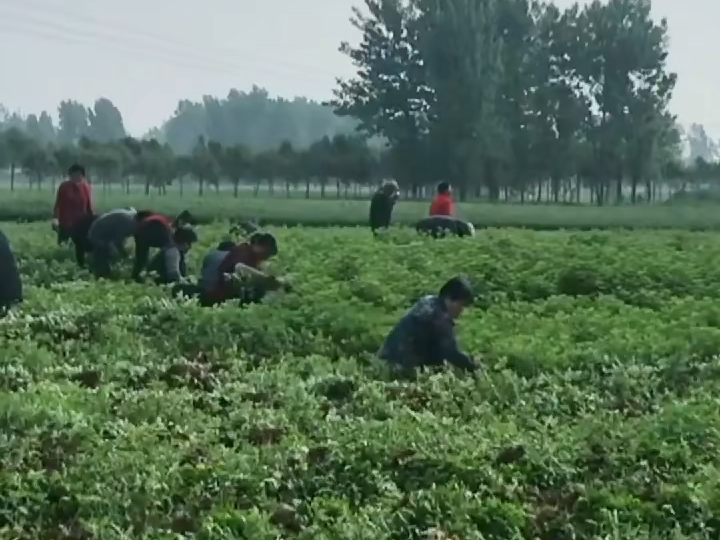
[[169, 263], [425, 336]]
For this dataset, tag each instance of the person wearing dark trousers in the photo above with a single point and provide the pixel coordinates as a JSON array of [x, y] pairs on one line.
[[79, 237], [441, 226], [11, 290], [154, 230], [73, 202], [382, 205]]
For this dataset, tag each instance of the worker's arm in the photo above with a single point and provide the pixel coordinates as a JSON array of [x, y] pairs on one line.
[[451, 350], [172, 265], [59, 196]]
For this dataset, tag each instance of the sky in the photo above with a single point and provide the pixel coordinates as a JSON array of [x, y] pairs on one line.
[[146, 55]]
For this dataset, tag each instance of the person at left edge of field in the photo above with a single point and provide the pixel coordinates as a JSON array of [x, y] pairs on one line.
[[73, 202], [169, 263], [11, 290], [382, 205], [154, 230]]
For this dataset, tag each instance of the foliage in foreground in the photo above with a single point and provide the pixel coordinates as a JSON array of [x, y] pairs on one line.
[[128, 415]]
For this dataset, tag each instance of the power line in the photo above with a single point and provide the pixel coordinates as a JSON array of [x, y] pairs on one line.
[[68, 33], [134, 33]]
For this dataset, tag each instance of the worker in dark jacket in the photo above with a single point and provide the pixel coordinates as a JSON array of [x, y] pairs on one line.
[[425, 336], [169, 263], [154, 230], [382, 205], [11, 291], [441, 226]]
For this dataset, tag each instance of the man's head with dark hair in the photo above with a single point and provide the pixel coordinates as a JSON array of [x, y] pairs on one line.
[[457, 294], [263, 244], [184, 238], [225, 245], [76, 172], [443, 188], [185, 218]]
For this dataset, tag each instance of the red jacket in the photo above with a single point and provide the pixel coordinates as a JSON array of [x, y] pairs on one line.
[[73, 202], [241, 253], [157, 217], [442, 205]]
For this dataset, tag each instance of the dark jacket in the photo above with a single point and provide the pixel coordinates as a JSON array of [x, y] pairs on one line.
[[425, 336], [381, 208], [439, 226], [11, 291], [169, 264]]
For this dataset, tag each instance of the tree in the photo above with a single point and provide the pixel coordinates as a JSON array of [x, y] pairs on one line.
[[105, 123], [16, 147], [236, 164], [390, 96], [73, 122]]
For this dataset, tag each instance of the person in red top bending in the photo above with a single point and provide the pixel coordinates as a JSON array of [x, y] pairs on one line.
[[154, 230], [442, 204], [73, 203], [245, 259]]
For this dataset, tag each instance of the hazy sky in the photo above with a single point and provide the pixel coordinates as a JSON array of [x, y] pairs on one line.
[[145, 55]]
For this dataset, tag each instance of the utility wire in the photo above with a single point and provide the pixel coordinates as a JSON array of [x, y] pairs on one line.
[[29, 23]]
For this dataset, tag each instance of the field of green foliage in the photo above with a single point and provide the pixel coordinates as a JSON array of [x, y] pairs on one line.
[[126, 414]]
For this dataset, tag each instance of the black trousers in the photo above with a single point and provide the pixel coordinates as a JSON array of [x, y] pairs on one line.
[[152, 235], [79, 237]]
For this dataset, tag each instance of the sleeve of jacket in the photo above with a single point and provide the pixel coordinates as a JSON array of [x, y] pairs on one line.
[[450, 348], [173, 262], [59, 199], [90, 207]]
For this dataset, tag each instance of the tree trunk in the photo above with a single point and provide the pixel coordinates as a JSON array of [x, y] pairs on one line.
[[307, 188], [12, 176], [201, 186], [236, 188], [633, 189]]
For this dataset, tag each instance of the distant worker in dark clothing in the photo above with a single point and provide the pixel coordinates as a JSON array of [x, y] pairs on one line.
[[11, 290], [73, 202], [382, 205], [154, 230], [169, 263], [443, 204], [441, 226], [107, 237], [239, 275], [425, 336]]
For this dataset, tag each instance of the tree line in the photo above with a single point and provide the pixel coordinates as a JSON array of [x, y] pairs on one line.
[[253, 119], [515, 95], [341, 166]]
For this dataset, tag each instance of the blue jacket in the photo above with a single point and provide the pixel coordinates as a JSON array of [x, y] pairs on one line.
[[425, 336]]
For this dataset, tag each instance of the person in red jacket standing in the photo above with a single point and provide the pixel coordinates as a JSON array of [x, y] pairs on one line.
[[442, 204], [73, 202]]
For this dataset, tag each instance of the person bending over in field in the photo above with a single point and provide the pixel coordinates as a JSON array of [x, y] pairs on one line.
[[425, 336], [73, 202], [441, 226], [382, 205], [169, 263], [11, 290], [154, 230], [239, 275], [209, 273], [443, 204], [107, 236]]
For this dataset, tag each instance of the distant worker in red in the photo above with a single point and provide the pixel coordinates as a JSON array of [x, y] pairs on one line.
[[73, 203], [443, 204]]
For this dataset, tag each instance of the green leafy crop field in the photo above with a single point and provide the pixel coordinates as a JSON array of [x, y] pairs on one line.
[[126, 414]]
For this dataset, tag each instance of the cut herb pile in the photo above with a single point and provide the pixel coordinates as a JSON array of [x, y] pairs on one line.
[[126, 414]]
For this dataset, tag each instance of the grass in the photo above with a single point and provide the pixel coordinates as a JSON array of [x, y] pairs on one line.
[[28, 205], [126, 414]]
